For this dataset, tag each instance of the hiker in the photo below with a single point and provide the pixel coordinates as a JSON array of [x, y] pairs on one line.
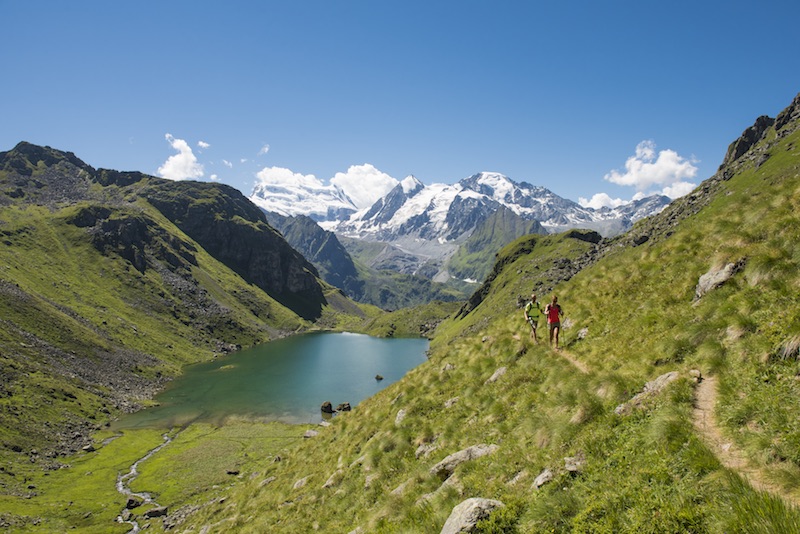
[[532, 314], [554, 313]]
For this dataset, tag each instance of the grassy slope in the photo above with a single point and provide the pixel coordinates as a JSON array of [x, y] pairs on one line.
[[77, 303], [646, 472]]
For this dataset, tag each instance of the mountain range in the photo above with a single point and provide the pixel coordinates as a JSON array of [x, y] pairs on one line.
[[430, 223]]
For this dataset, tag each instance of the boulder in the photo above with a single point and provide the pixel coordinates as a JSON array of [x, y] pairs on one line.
[[544, 477], [651, 389], [446, 467], [343, 407], [160, 511], [716, 277], [326, 407], [465, 516], [133, 502], [378, 378]]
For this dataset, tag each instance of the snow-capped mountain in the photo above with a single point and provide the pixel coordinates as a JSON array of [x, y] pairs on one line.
[[447, 212], [300, 196], [430, 222]]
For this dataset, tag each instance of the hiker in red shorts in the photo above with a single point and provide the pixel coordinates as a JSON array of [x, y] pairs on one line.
[[554, 313]]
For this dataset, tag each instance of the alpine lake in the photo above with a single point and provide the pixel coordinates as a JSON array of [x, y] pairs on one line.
[[285, 380]]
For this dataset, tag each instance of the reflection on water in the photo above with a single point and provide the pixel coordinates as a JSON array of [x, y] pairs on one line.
[[284, 380]]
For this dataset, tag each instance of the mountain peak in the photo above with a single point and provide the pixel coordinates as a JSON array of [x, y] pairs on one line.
[[24, 158], [411, 184]]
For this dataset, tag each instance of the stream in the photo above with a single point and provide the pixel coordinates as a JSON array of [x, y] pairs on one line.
[[123, 487]]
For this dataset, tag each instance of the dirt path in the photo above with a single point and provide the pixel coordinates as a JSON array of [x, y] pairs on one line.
[[571, 359], [564, 354], [726, 451]]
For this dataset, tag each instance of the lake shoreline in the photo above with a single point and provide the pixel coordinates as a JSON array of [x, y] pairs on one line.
[[284, 380]]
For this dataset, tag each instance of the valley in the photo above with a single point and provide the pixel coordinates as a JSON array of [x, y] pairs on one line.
[[113, 282]]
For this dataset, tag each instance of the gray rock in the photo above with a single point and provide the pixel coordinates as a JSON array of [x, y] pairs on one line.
[[311, 434], [716, 277], [334, 479], [497, 374], [544, 477], [650, 389], [446, 467], [401, 414], [574, 464], [466, 515]]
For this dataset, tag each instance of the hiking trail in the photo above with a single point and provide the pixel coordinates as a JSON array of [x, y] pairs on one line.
[[725, 450], [571, 359]]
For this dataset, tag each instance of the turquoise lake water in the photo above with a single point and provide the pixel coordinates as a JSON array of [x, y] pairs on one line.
[[284, 380]]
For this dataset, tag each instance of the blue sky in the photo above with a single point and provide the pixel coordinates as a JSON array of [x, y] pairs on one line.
[[583, 98]]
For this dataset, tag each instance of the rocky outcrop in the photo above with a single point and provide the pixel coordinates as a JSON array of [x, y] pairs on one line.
[[466, 515], [749, 137]]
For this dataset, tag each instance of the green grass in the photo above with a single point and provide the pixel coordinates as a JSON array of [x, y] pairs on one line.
[[646, 472], [82, 496]]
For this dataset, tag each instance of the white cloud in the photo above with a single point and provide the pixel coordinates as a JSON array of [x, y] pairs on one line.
[[203, 144], [227, 163], [183, 165], [286, 177], [646, 171], [364, 184], [264, 150], [601, 200], [678, 190], [214, 178], [651, 172]]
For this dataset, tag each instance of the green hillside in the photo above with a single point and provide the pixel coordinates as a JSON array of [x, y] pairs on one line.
[[474, 259], [673, 406], [615, 464], [104, 297]]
